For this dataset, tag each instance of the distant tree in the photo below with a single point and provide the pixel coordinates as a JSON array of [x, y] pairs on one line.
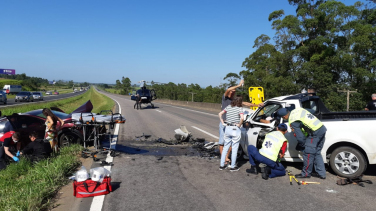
[[126, 85], [118, 84], [232, 78]]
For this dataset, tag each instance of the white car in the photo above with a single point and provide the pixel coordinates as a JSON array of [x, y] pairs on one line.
[[38, 95], [349, 142]]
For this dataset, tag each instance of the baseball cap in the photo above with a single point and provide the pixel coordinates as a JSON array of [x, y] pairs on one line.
[[282, 126], [282, 112]]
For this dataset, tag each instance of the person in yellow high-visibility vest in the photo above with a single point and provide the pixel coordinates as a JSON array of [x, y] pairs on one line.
[[311, 144], [273, 148]]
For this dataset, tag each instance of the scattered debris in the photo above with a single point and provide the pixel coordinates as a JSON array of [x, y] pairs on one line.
[[356, 181], [160, 158], [331, 191], [182, 134], [205, 149], [105, 163]]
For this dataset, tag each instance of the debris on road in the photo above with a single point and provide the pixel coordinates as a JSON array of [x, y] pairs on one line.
[[182, 134]]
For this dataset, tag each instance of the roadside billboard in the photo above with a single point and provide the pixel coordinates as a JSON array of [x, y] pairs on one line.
[[8, 71]]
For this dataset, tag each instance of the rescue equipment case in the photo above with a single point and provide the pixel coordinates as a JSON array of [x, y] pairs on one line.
[[91, 188]]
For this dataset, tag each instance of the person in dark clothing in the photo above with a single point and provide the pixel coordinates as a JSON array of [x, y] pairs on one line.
[[38, 148], [138, 102], [9, 144], [371, 106]]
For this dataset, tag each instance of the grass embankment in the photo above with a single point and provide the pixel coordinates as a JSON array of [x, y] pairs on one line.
[[100, 102], [30, 187], [113, 91], [24, 186]]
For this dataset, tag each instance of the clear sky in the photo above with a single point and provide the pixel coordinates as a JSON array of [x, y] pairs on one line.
[[99, 41]]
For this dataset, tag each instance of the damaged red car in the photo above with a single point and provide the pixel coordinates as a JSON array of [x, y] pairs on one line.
[[34, 120]]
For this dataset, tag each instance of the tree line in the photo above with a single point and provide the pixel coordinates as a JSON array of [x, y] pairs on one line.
[[325, 45]]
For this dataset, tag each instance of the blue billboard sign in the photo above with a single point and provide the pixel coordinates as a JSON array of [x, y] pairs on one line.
[[8, 71]]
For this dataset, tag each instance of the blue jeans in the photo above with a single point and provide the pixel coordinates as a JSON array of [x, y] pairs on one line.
[[235, 146], [221, 140], [255, 158]]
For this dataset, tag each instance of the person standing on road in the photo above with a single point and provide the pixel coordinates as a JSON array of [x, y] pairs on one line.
[[371, 106], [312, 144], [9, 143], [51, 127], [232, 132], [227, 98], [273, 148]]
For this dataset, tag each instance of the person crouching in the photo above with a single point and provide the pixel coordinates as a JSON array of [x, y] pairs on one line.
[[273, 148], [234, 118], [37, 149]]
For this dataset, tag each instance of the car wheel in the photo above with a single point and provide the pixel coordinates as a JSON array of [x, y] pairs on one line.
[[15, 100], [347, 162], [68, 138]]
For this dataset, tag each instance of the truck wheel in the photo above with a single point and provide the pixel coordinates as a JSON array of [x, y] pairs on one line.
[[68, 138], [348, 162]]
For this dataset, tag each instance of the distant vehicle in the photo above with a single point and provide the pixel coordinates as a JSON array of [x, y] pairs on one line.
[[56, 93], [49, 93], [3, 97], [12, 89], [24, 96], [81, 90], [144, 95], [38, 95]]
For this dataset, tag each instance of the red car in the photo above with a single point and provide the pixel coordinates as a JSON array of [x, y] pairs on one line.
[[35, 121]]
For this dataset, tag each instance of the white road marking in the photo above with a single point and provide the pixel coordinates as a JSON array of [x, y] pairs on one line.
[[97, 203], [216, 137], [158, 111]]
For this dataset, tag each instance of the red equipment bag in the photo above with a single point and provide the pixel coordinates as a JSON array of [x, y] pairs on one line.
[[91, 188]]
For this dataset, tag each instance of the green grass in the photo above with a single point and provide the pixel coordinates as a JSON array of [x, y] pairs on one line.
[[99, 101], [113, 91], [24, 186]]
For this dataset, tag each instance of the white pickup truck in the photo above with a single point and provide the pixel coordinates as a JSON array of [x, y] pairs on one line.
[[350, 143]]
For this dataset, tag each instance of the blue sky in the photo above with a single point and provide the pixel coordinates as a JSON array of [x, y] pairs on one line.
[[180, 41]]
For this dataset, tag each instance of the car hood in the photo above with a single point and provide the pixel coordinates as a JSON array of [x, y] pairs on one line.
[[86, 107]]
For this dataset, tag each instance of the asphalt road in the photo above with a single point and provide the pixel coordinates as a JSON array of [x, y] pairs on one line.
[[11, 102], [149, 176]]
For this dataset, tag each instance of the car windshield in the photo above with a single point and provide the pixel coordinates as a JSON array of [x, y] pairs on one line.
[[268, 110], [36, 93]]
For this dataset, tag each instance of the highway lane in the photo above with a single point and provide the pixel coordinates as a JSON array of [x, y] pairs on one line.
[[46, 98], [151, 177]]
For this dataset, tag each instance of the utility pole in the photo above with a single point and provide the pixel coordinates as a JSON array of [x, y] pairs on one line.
[[192, 95], [348, 96]]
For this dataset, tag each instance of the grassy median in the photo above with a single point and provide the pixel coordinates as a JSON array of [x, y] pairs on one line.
[[100, 102], [24, 186]]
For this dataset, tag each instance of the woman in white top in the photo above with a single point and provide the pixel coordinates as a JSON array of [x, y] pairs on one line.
[[51, 127], [234, 120]]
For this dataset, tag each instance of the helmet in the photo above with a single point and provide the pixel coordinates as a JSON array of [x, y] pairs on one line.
[[82, 175]]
